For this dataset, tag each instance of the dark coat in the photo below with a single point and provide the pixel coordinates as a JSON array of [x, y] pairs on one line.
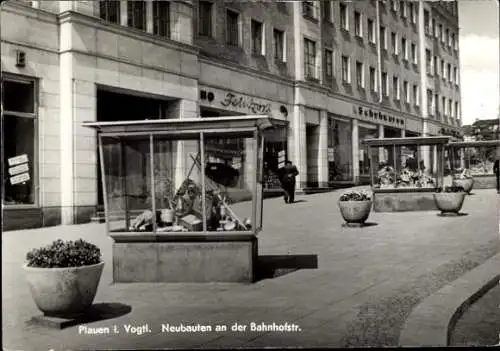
[[495, 167], [288, 174]]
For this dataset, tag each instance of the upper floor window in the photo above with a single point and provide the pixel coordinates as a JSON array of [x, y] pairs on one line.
[[455, 75], [403, 5], [395, 87], [344, 16], [450, 107], [442, 70], [205, 18], [136, 11], [328, 63], [413, 12], [416, 95], [428, 61], [373, 79], [455, 42], [406, 91], [414, 58], [434, 28], [446, 38], [309, 9], [110, 11], [327, 10], [232, 28], [444, 107], [394, 5], [358, 24], [404, 48], [436, 104], [427, 22], [371, 32], [430, 102], [383, 37], [441, 33], [360, 74], [394, 43], [448, 69], [435, 66], [385, 84], [309, 58], [457, 112], [346, 70], [161, 18], [279, 45], [257, 38]]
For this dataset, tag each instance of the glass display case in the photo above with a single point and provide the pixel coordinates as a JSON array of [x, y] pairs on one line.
[[405, 172], [473, 159], [191, 180]]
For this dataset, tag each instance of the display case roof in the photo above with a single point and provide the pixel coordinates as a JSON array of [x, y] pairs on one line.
[[227, 124], [476, 143], [408, 141]]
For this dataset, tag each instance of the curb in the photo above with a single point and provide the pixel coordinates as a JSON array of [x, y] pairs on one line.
[[431, 322]]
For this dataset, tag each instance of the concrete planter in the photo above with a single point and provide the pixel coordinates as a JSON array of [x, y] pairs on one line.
[[355, 212], [63, 291], [449, 202], [467, 184]]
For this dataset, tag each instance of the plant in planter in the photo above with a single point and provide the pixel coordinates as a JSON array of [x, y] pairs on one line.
[[63, 277], [464, 180], [355, 206], [449, 200]]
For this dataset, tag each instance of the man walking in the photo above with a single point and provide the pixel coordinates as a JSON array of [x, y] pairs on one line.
[[287, 178]]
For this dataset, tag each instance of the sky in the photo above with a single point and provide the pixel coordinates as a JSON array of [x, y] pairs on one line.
[[479, 59]]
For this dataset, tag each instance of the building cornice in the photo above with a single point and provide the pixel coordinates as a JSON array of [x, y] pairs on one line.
[[230, 65], [28, 11], [79, 18]]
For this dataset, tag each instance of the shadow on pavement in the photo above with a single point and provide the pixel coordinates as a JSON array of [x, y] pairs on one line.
[[298, 201], [274, 266]]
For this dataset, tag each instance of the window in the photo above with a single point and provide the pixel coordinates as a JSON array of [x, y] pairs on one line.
[[309, 58], [430, 102], [434, 28], [447, 37], [404, 9], [435, 66], [19, 123], [371, 31], [414, 53], [457, 114], [395, 87], [346, 70], [344, 17], [329, 63], [442, 70], [444, 108], [394, 43], [394, 5], [161, 18], [441, 33], [448, 72], [455, 74], [279, 45], [327, 11], [413, 13], [428, 61], [360, 74], [109, 11], [436, 105], [373, 79], [358, 25], [404, 47], [453, 40], [136, 11], [416, 95], [385, 84], [232, 28], [383, 37], [257, 37], [450, 107], [309, 9], [427, 22], [406, 91], [205, 18]]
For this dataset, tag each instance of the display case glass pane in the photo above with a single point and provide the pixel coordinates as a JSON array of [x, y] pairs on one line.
[[365, 133], [339, 150], [480, 159], [230, 167]]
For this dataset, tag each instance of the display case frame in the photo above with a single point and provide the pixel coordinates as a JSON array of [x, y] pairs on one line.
[[154, 255], [397, 199], [481, 181]]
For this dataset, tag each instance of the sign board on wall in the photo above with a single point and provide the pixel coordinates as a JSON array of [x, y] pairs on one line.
[[18, 169], [375, 116], [241, 103]]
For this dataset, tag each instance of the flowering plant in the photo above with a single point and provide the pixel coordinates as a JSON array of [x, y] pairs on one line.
[[61, 254], [354, 195]]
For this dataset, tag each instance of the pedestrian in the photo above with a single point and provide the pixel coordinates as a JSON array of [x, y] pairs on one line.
[[287, 179], [497, 174]]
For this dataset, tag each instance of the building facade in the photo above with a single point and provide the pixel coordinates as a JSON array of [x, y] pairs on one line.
[[338, 72]]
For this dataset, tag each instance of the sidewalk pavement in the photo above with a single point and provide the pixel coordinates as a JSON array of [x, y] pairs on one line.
[[366, 283]]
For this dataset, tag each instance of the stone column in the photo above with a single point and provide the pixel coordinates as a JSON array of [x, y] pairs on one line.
[[123, 13], [381, 136], [149, 16], [355, 151], [323, 150], [299, 144]]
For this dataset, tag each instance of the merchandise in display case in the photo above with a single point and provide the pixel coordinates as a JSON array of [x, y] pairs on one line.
[[474, 159], [191, 189], [405, 172]]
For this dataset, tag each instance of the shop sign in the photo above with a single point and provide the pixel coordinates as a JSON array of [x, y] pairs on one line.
[[281, 158], [378, 117], [20, 178], [245, 103], [13, 161], [18, 169]]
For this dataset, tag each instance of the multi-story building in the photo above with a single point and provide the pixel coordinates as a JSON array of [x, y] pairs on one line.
[[339, 72]]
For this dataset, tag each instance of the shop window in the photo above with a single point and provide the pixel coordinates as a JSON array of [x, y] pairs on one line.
[[232, 28], [161, 18], [365, 132], [279, 45], [339, 150], [257, 38], [19, 140], [309, 58], [205, 18], [329, 63], [109, 11], [136, 11]]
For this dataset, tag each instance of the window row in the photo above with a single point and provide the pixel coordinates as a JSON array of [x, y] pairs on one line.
[[442, 106], [137, 15], [447, 36], [439, 67]]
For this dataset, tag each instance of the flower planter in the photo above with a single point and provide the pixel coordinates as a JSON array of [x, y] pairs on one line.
[[355, 212], [466, 183], [63, 291], [449, 203]]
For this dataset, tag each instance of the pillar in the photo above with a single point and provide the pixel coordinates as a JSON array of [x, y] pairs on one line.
[[248, 164], [425, 150], [184, 109], [355, 151], [323, 150], [403, 133], [149, 16], [381, 134], [123, 13], [299, 144]]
